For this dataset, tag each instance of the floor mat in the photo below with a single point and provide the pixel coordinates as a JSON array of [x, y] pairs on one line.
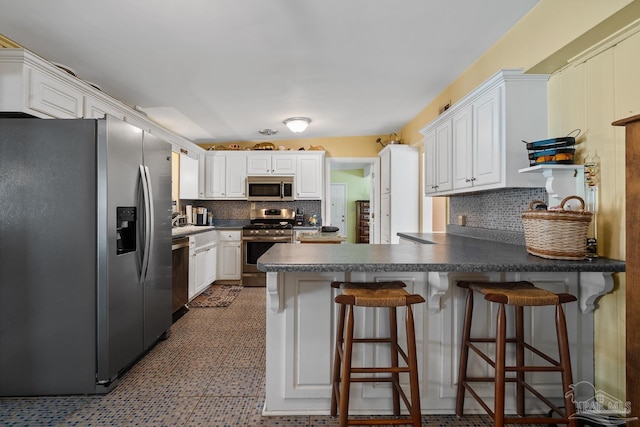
[[216, 296]]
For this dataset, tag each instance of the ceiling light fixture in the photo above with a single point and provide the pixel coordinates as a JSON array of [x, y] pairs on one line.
[[297, 124], [268, 131]]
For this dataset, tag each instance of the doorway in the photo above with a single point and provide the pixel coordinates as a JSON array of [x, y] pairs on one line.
[[338, 207], [366, 168]]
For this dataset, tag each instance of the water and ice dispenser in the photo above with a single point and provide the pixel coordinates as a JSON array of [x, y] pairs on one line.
[[125, 230]]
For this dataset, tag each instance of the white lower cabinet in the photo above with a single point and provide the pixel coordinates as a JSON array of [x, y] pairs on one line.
[[202, 262], [229, 255], [192, 267], [301, 317]]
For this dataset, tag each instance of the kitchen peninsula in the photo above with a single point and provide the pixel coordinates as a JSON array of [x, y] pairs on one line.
[[301, 314]]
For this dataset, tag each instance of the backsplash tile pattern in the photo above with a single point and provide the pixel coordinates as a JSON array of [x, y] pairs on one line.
[[240, 209], [498, 209]]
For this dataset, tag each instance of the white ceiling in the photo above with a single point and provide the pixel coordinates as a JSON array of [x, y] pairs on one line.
[[232, 67]]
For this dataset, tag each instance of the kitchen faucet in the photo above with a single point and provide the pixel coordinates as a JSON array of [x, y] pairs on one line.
[[175, 219]]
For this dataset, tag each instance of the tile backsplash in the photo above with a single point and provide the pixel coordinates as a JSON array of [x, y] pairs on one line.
[[497, 210], [240, 209]]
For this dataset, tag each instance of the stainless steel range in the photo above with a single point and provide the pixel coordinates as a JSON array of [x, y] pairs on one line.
[[268, 227]]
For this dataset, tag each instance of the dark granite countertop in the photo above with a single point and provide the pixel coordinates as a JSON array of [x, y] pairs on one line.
[[189, 230], [447, 252]]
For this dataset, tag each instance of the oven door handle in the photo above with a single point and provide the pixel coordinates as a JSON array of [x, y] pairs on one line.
[[267, 239]]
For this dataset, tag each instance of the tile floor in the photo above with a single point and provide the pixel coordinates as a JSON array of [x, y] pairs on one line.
[[209, 372]]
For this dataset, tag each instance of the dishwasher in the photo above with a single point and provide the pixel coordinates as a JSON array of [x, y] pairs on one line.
[[180, 274]]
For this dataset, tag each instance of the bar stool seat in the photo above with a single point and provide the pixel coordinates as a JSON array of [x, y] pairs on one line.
[[384, 295], [518, 295]]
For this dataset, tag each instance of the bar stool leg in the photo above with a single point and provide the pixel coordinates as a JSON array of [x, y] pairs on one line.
[[501, 338], [565, 362], [416, 413], [519, 332], [345, 383], [464, 354], [395, 377], [337, 361]]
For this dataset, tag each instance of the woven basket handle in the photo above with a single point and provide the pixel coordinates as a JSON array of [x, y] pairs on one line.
[[566, 199], [535, 202]]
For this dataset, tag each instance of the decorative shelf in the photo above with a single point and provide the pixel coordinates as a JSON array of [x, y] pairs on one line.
[[561, 180]]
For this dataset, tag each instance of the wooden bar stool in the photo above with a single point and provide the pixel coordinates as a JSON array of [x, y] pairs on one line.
[[519, 295], [375, 294]]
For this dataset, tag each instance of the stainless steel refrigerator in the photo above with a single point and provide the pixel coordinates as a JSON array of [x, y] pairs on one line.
[[85, 252]]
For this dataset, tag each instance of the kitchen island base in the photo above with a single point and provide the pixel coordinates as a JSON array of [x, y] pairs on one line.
[[301, 318]]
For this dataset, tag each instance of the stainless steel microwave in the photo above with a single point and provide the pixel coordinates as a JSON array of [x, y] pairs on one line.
[[270, 188]]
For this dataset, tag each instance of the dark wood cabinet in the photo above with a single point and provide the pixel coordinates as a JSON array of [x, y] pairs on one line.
[[632, 211], [362, 221]]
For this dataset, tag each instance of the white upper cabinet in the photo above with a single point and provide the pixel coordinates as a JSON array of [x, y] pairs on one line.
[[215, 177], [225, 175], [36, 87], [487, 128], [51, 95], [188, 177], [236, 176], [95, 108], [437, 153], [259, 163], [486, 147], [226, 172], [462, 142], [309, 176]]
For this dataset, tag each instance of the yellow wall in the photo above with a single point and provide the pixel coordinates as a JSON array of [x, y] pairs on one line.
[[588, 96], [175, 178], [550, 27], [5, 42]]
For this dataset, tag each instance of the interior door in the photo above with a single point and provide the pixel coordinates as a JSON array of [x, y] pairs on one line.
[[338, 207]]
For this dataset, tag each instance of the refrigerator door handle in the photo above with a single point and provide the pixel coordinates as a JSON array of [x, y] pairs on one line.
[[145, 244], [151, 218]]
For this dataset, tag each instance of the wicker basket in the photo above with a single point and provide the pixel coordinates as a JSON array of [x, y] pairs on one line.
[[559, 234]]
